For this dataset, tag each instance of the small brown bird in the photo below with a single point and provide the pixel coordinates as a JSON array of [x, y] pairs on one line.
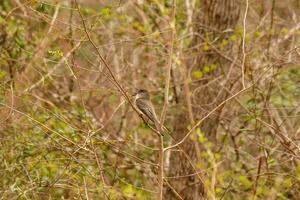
[[144, 105]]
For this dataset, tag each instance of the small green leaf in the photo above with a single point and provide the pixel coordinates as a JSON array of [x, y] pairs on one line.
[[128, 190], [218, 190], [245, 181], [258, 34], [206, 69], [224, 42], [205, 47], [2, 74], [288, 183], [105, 12], [213, 67], [233, 38], [123, 18], [198, 74], [201, 138]]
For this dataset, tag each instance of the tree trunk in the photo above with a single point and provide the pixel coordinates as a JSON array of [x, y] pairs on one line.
[[216, 22], [215, 16]]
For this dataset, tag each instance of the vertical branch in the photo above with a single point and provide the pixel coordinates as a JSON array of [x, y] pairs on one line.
[[100, 168], [257, 176], [54, 18], [189, 10], [99, 164], [244, 43], [172, 24], [271, 27], [161, 167], [85, 189], [71, 34], [188, 99], [170, 61]]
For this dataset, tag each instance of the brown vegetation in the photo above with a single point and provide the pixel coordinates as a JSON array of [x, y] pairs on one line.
[[223, 76]]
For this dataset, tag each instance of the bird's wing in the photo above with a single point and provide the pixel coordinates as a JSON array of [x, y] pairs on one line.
[[146, 107]]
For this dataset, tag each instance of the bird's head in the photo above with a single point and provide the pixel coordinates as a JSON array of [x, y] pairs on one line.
[[142, 93]]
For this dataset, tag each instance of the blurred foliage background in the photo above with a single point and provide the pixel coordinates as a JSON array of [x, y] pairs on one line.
[[66, 131]]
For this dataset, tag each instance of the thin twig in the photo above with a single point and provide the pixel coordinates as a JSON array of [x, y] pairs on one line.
[[173, 189], [12, 104], [219, 106], [206, 116], [44, 126], [227, 189], [170, 62], [62, 60], [85, 189], [257, 176], [244, 43], [114, 79], [54, 18], [161, 167], [271, 27]]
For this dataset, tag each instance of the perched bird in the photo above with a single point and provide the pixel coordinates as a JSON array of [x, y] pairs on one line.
[[146, 108]]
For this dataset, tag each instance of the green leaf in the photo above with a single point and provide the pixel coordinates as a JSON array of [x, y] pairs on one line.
[[206, 47], [224, 42], [245, 181], [2, 74], [201, 137], [105, 12], [258, 33], [213, 67], [128, 190], [206, 69], [288, 183], [218, 190], [233, 38], [198, 74]]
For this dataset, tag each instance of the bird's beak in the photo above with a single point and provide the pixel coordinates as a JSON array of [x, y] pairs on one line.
[[134, 94]]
